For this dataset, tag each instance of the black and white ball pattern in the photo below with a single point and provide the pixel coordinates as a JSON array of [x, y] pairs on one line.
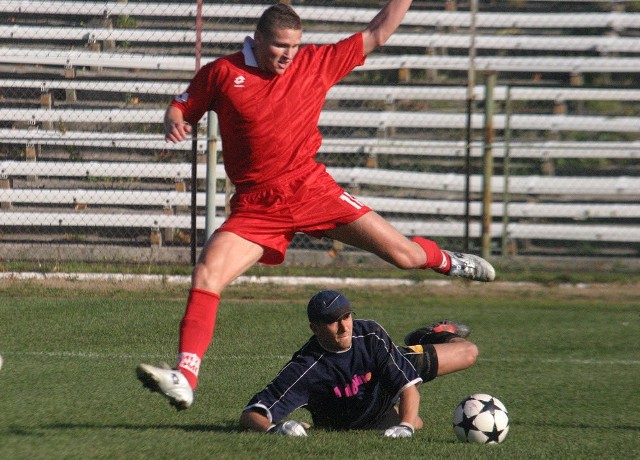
[[482, 419]]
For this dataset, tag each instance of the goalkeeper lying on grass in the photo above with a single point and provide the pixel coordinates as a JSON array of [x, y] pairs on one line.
[[350, 375]]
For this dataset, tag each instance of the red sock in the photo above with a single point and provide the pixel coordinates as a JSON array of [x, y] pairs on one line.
[[196, 332], [436, 259]]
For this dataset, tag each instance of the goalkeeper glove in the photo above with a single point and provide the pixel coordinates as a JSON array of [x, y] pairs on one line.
[[288, 428], [404, 430]]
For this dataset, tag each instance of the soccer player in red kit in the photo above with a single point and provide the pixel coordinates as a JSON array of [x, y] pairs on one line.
[[268, 98]]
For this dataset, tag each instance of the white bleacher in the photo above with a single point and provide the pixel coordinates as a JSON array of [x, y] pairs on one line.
[[91, 219], [604, 43], [84, 115], [568, 64], [354, 145], [612, 188], [133, 86], [349, 119], [516, 230], [458, 149], [459, 93], [621, 186], [162, 198], [156, 170], [79, 58], [356, 92], [599, 43], [521, 93], [608, 20], [410, 206], [517, 210], [95, 139], [573, 232], [434, 120], [572, 220], [383, 204]]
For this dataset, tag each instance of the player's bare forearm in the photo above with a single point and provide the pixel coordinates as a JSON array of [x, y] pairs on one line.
[[254, 421], [384, 24], [175, 129], [409, 406]]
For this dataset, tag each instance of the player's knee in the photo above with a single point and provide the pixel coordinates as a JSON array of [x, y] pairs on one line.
[[471, 354], [199, 274], [204, 277]]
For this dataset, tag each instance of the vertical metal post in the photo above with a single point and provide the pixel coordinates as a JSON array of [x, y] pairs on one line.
[[198, 44], [194, 146], [212, 161], [470, 90], [506, 173], [194, 194], [487, 161]]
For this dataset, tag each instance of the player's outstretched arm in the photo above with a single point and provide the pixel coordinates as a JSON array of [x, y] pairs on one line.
[[408, 414], [384, 24], [409, 407], [175, 129]]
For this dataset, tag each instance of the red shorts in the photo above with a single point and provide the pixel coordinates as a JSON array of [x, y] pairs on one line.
[[271, 214]]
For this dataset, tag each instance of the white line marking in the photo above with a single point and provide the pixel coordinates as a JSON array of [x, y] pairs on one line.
[[283, 280], [606, 362], [175, 279]]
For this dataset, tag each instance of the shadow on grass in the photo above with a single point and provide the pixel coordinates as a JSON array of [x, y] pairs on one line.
[[24, 431], [580, 426]]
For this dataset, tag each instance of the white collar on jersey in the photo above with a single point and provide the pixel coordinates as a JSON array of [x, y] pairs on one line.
[[247, 50], [335, 352]]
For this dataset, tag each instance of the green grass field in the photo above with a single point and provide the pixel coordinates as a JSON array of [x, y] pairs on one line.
[[564, 360]]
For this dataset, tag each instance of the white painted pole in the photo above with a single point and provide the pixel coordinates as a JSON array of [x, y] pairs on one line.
[[212, 162]]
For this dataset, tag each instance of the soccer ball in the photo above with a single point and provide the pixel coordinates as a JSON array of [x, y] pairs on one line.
[[481, 418]]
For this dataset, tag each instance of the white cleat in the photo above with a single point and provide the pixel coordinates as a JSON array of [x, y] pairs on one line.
[[470, 267], [171, 383]]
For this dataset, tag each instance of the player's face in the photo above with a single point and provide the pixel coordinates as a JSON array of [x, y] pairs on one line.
[[274, 54], [335, 336]]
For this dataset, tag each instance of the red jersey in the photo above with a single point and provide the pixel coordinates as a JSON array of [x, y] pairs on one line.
[[269, 123]]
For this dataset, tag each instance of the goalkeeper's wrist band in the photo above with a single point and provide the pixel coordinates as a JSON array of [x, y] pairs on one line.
[[408, 425]]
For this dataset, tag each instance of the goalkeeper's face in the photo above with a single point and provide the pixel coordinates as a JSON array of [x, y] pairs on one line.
[[336, 336]]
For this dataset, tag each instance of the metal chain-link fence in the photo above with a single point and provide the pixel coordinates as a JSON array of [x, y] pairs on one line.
[[514, 126]]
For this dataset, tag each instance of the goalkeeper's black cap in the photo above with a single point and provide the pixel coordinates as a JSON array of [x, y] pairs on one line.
[[328, 307]]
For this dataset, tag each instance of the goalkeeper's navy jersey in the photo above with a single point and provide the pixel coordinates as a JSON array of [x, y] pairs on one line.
[[348, 390]]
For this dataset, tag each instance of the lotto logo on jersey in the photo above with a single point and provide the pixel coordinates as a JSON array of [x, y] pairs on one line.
[[184, 97], [353, 388], [238, 82]]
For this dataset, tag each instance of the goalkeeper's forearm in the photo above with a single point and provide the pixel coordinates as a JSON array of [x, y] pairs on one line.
[[254, 421], [409, 406]]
